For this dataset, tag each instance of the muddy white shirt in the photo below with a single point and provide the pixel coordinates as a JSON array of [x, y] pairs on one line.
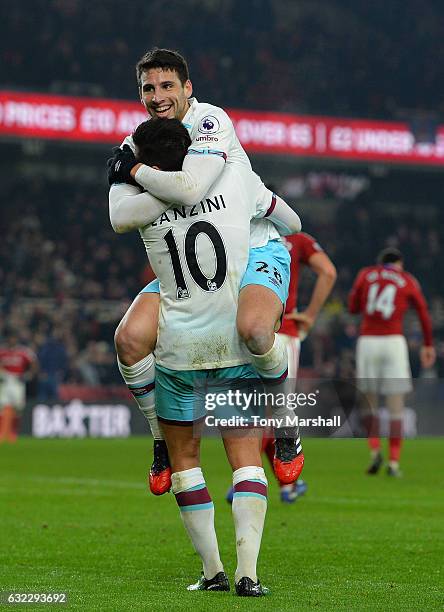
[[199, 254]]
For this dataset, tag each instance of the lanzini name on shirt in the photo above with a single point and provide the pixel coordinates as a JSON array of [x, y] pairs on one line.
[[205, 206]]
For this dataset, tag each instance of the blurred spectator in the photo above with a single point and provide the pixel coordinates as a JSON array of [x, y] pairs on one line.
[[97, 364], [18, 365], [53, 361]]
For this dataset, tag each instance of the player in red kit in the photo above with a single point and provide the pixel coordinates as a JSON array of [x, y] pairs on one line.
[[304, 250], [382, 294], [16, 363]]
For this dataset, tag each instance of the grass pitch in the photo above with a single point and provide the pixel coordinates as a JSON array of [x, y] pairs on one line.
[[76, 517]]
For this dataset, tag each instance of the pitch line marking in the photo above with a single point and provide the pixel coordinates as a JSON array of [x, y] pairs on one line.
[[91, 482]]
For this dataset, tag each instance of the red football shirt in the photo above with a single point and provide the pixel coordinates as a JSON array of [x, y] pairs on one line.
[[16, 360], [382, 294], [301, 247]]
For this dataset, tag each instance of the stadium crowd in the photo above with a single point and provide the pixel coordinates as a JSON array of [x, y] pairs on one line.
[[322, 57], [67, 279]]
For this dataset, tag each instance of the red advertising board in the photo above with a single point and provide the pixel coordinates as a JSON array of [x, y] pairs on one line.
[[68, 118], [100, 120]]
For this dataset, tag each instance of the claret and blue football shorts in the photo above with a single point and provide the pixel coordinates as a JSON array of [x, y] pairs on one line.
[[180, 396]]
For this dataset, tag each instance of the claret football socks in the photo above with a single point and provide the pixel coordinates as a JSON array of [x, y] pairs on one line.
[[197, 512]]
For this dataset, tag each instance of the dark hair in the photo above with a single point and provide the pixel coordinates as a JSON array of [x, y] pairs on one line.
[[162, 142], [389, 255], [163, 58]]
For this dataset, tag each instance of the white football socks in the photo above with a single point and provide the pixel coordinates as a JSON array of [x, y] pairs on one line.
[[272, 367], [249, 508], [139, 379], [274, 363], [197, 512]]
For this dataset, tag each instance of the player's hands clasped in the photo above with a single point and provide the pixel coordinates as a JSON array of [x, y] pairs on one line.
[[120, 165]]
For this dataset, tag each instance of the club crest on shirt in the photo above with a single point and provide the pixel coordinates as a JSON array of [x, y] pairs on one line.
[[182, 293], [209, 125]]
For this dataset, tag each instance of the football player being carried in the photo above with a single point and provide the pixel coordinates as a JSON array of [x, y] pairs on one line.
[[200, 255], [165, 91], [382, 294]]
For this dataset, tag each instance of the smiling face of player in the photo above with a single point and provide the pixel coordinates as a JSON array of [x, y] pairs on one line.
[[163, 95]]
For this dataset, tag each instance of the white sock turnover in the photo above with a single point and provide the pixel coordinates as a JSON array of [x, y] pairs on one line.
[[139, 379], [249, 508], [197, 512]]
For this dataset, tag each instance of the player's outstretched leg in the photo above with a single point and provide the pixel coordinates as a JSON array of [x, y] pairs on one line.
[[259, 312], [197, 512], [140, 382], [249, 508], [272, 367], [135, 339]]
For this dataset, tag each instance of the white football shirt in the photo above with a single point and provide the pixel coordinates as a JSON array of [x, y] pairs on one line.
[[199, 254]]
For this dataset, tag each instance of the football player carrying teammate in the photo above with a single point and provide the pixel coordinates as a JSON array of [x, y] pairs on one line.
[[199, 254], [165, 91]]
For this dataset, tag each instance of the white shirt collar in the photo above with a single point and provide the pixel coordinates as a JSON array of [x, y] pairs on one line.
[[187, 119]]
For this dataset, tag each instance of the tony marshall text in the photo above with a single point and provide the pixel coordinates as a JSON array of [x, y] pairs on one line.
[[257, 421]]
